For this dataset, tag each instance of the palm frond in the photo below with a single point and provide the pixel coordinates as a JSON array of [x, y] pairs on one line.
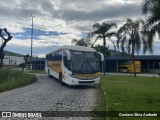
[[113, 44], [148, 5], [96, 40], [129, 34], [118, 40], [103, 30], [96, 25], [123, 45], [137, 42], [154, 18], [74, 41]]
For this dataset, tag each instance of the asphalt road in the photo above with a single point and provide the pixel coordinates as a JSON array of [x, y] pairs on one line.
[[47, 94]]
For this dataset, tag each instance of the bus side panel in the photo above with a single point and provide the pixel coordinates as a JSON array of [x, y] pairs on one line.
[[55, 68]]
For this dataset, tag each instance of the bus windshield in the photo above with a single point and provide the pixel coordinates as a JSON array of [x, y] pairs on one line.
[[84, 62]]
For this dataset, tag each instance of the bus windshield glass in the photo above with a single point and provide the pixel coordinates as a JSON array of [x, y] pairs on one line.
[[84, 62]]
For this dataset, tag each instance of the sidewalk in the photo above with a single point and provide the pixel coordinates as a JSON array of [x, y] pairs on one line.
[[138, 74]]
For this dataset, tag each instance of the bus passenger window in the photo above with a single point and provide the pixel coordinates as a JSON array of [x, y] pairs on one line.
[[60, 55], [66, 62]]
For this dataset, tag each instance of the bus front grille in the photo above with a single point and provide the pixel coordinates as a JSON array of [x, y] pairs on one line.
[[86, 81]]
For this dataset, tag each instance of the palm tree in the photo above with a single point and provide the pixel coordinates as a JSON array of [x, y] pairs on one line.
[[100, 48], [131, 35], [152, 7], [81, 42], [103, 31]]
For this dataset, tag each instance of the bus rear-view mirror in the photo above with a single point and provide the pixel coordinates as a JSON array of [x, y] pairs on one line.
[[68, 54], [102, 56]]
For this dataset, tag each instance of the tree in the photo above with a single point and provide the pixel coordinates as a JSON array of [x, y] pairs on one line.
[[25, 60], [152, 8], [100, 48], [4, 43], [131, 35], [103, 31], [81, 42]]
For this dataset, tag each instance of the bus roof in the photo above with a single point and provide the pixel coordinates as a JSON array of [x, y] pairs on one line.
[[76, 48]]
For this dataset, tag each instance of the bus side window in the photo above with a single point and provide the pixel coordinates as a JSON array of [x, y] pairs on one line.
[[66, 62], [65, 59], [53, 56], [60, 55], [56, 55], [49, 57]]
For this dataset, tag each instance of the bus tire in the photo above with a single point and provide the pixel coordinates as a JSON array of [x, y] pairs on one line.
[[60, 79], [49, 74]]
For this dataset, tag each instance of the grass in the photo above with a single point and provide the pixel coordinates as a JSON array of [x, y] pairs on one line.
[[10, 79], [126, 93]]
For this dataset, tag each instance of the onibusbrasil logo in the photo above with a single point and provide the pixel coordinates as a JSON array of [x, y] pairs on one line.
[[21, 114]]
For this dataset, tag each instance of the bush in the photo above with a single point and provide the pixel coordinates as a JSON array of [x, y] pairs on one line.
[[10, 79]]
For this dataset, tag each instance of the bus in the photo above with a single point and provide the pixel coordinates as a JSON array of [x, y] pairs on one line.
[[129, 67], [74, 65]]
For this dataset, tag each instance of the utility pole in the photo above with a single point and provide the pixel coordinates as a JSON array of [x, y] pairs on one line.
[[31, 40]]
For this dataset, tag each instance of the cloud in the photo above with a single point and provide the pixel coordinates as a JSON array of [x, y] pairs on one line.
[[57, 22], [106, 12], [36, 34]]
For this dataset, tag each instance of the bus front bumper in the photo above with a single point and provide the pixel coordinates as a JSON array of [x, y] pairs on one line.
[[75, 81]]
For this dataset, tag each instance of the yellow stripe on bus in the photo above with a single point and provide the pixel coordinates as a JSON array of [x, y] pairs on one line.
[[56, 67], [88, 75]]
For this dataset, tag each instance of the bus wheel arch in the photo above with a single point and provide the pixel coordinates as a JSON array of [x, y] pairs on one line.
[[60, 78], [49, 73]]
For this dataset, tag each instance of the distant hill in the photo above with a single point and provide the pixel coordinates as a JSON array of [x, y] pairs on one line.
[[8, 53]]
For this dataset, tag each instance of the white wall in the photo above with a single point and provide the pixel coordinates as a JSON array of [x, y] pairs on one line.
[[12, 60]]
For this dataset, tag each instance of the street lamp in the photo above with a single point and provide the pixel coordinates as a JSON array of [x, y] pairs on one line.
[[31, 39]]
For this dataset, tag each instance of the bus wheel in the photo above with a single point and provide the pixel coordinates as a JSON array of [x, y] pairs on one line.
[[49, 73], [60, 79]]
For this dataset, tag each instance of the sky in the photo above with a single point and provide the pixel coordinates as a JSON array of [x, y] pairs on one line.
[[57, 22]]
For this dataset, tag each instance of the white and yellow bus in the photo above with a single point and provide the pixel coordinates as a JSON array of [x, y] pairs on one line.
[[74, 65]]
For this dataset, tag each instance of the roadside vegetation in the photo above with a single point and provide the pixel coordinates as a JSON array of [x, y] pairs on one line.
[[10, 79], [127, 93]]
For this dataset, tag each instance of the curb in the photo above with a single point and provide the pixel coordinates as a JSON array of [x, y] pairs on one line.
[[104, 96]]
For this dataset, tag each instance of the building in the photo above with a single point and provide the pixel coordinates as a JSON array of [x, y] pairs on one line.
[[37, 63], [12, 60], [149, 63]]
